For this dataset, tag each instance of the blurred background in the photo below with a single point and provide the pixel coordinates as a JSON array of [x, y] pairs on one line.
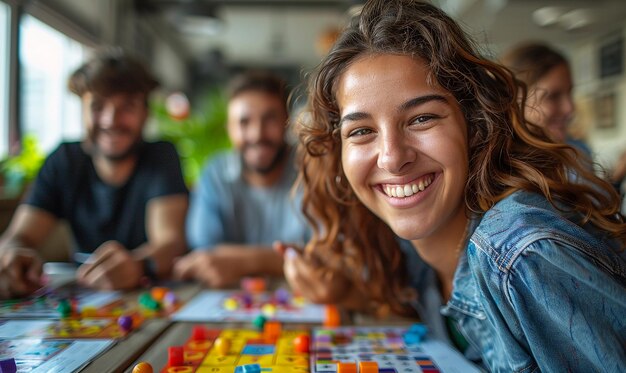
[[195, 46]]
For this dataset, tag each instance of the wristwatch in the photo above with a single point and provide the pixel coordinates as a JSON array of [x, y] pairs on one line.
[[149, 268]]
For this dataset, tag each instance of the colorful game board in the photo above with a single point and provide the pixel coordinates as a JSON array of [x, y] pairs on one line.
[[88, 303], [281, 305], [44, 356], [200, 353], [43, 305], [386, 347], [106, 328]]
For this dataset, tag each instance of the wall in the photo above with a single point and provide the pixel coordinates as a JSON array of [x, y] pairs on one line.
[[607, 143]]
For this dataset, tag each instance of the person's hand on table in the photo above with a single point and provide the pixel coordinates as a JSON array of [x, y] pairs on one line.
[[110, 267], [214, 268], [20, 272], [309, 278]]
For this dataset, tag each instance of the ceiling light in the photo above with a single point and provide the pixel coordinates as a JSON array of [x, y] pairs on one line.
[[576, 19], [196, 18], [548, 16]]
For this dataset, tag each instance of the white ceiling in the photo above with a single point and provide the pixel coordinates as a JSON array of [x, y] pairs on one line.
[[278, 34]]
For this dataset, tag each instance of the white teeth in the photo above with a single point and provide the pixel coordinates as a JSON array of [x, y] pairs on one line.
[[400, 191], [408, 189]]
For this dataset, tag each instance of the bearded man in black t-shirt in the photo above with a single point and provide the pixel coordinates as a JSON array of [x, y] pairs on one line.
[[124, 199]]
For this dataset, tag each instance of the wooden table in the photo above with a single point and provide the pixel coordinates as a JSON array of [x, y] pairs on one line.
[[125, 351]]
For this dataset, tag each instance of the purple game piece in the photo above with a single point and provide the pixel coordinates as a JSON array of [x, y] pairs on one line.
[[282, 296], [126, 323], [246, 300], [8, 366], [170, 298]]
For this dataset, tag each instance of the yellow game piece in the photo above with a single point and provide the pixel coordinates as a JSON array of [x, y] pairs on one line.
[[158, 293], [143, 367], [268, 310], [346, 367], [222, 345], [299, 301], [89, 311], [368, 367], [231, 304]]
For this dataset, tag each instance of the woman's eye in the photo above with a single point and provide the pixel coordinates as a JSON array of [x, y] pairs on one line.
[[360, 132], [423, 119]]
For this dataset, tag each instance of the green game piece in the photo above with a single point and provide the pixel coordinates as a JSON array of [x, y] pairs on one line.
[[259, 322], [65, 308], [146, 301]]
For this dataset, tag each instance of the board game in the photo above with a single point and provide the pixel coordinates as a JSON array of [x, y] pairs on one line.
[[383, 349], [221, 351], [43, 304], [102, 328], [281, 305], [44, 356], [89, 303], [331, 350]]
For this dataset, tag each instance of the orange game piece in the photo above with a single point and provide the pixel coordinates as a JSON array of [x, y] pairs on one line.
[[271, 330], [302, 343], [158, 293], [253, 284], [346, 367], [143, 367], [368, 367], [175, 356], [331, 316]]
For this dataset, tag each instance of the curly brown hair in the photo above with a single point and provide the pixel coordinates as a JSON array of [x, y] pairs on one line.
[[506, 153]]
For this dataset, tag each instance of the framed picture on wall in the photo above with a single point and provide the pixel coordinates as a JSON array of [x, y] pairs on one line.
[[612, 58], [605, 110]]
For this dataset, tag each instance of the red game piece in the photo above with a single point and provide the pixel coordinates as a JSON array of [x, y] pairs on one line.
[[198, 333], [175, 356], [143, 367], [302, 343]]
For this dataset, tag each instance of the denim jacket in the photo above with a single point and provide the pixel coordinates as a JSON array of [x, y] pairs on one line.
[[534, 292]]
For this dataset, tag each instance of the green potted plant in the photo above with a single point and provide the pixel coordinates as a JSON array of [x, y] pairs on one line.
[[196, 135], [19, 170]]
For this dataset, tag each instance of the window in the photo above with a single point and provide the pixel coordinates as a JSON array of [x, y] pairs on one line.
[[48, 110], [5, 21]]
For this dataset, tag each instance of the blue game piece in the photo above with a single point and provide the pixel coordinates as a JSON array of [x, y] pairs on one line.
[[411, 339], [248, 368], [415, 334], [418, 329], [8, 366]]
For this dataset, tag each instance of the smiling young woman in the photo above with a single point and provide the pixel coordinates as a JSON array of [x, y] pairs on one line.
[[412, 134]]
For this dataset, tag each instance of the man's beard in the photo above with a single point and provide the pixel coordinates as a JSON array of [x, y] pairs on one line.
[[276, 161], [130, 152]]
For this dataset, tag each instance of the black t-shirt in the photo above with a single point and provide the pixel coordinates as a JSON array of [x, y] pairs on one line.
[[69, 187]]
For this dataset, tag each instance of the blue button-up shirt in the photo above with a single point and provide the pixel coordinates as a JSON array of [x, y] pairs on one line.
[[533, 291]]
